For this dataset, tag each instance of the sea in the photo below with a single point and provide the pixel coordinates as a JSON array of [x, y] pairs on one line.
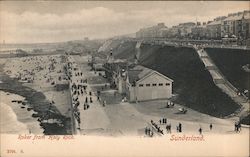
[[14, 119]]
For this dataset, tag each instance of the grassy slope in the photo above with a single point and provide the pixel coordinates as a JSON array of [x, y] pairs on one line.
[[125, 51], [121, 50], [191, 81], [230, 63]]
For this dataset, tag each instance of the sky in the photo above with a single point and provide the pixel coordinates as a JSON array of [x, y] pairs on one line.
[[56, 21]]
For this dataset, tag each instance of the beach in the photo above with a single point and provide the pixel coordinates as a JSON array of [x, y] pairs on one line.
[[16, 119], [30, 77]]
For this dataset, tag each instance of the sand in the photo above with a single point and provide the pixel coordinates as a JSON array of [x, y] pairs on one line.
[[31, 78], [15, 119]]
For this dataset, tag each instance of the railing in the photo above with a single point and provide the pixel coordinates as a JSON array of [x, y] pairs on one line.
[[73, 120]]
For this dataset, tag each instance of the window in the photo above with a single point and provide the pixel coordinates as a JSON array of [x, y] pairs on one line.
[[148, 85], [167, 84], [160, 84], [140, 85], [154, 84]]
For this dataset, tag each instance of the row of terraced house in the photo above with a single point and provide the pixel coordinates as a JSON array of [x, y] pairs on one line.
[[233, 26]]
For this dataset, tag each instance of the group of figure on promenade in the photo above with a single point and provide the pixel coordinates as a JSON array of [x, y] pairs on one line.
[[78, 89], [170, 104], [158, 128], [149, 131], [155, 127], [237, 127]]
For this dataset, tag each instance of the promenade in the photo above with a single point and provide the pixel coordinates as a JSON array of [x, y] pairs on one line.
[[85, 102], [129, 119]]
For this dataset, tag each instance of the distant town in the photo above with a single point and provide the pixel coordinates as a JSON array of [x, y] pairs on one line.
[[231, 29]]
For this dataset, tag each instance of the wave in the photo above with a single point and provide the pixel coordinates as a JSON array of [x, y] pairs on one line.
[[9, 122], [15, 119]]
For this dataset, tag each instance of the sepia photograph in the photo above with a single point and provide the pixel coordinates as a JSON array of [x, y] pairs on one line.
[[124, 78]]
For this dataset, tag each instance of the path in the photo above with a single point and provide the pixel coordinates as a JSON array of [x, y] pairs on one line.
[[221, 81], [94, 117], [124, 119]]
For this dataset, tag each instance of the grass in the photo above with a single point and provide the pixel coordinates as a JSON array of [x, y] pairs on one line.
[[230, 62], [192, 82], [125, 51], [121, 50]]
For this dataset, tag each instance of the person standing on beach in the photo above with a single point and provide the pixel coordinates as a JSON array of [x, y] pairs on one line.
[[180, 127], [86, 100], [235, 126], [200, 130], [239, 126], [211, 126]]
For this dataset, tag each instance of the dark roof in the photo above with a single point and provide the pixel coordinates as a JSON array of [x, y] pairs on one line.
[[115, 66], [214, 23], [137, 73]]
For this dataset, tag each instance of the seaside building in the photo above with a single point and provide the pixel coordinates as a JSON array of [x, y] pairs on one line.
[[96, 62], [146, 84], [115, 73], [185, 28], [137, 82], [245, 30], [172, 32], [236, 25], [199, 32], [214, 28], [152, 32]]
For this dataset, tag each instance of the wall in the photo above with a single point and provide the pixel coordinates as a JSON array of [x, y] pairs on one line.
[[153, 92]]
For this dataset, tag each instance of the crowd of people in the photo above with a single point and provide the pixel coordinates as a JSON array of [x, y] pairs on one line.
[[149, 131], [41, 73], [81, 94], [158, 128], [237, 127], [170, 104], [78, 88]]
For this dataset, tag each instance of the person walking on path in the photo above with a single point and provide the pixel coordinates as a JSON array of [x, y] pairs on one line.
[[239, 127], [235, 127]]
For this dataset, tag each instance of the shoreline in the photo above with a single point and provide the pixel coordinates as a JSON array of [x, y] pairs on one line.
[[38, 104], [16, 119], [17, 126]]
